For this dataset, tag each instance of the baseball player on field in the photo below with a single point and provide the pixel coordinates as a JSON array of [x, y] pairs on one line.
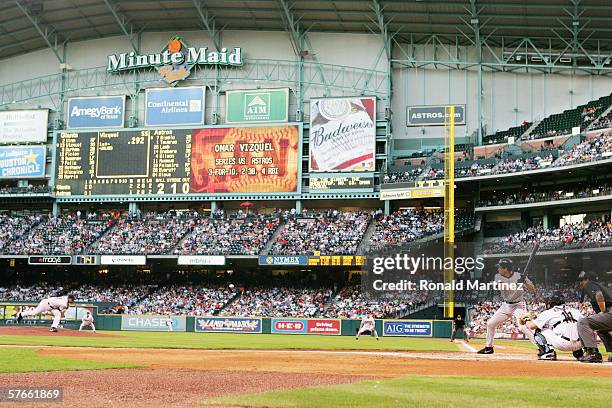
[[87, 320], [368, 325], [513, 305], [555, 328], [54, 306]]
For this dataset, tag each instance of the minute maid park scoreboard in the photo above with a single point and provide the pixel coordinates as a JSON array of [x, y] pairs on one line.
[[262, 159]]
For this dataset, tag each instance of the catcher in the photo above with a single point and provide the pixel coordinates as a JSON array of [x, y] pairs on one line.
[[555, 328]]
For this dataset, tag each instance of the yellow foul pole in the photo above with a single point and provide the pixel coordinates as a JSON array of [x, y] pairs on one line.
[[449, 209]]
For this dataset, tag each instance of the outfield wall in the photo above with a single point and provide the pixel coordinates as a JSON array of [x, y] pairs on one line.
[[229, 324], [272, 325]]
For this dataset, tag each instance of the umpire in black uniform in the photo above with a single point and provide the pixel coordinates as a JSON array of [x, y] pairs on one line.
[[600, 299]]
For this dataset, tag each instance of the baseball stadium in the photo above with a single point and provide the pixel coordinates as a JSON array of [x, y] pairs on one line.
[[305, 203]]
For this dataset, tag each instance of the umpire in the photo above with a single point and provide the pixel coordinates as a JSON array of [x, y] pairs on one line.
[[601, 322]]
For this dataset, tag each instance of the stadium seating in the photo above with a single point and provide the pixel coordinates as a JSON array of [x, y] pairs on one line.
[[13, 228], [232, 236], [278, 302], [60, 236], [331, 232], [503, 135], [562, 123], [154, 234], [594, 233], [404, 226]]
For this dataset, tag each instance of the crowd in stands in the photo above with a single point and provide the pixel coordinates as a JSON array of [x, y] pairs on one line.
[[351, 303], [330, 232], [12, 228], [604, 122], [233, 236], [60, 236], [153, 234], [402, 177], [183, 300], [475, 169], [30, 189], [126, 296], [595, 148], [278, 302], [405, 226], [592, 233], [546, 194], [513, 165]]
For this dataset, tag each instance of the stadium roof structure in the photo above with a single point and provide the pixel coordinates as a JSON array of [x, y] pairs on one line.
[[580, 28]]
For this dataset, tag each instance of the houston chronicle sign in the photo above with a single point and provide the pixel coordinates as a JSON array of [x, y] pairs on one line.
[[190, 56]]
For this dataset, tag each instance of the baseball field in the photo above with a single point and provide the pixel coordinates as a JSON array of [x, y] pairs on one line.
[[147, 369]]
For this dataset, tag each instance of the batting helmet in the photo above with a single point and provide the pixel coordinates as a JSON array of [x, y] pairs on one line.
[[505, 263]]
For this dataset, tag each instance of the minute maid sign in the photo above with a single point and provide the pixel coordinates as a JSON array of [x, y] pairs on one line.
[[175, 61]]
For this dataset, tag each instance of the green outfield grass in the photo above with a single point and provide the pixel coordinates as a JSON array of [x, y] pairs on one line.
[[426, 392], [232, 341], [21, 360]]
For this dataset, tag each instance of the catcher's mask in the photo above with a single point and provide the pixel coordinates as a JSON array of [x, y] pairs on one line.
[[555, 300]]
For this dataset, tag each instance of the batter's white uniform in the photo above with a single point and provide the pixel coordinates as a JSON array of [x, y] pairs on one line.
[[512, 308], [559, 326], [368, 324], [87, 320], [52, 305]]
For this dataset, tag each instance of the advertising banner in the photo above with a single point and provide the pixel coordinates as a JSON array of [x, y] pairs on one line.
[[258, 159], [123, 260], [408, 328], [153, 323], [228, 324], [50, 260], [11, 310], [283, 260], [96, 112], [433, 115], [306, 326], [201, 260], [336, 260], [257, 106], [22, 161], [23, 126], [342, 134], [408, 190], [85, 259], [341, 184], [174, 106]]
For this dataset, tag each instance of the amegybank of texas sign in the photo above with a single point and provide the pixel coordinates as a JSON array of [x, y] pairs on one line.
[[176, 59]]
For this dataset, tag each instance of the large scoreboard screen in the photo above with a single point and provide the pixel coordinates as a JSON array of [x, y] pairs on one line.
[[261, 159]]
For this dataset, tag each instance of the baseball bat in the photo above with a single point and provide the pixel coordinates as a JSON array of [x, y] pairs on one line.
[[533, 252]]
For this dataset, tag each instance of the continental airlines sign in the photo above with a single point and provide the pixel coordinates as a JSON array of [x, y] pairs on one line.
[[175, 61]]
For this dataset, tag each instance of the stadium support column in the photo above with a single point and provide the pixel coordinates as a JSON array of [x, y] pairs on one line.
[[387, 208], [475, 23], [213, 208], [133, 209], [298, 206], [55, 209]]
